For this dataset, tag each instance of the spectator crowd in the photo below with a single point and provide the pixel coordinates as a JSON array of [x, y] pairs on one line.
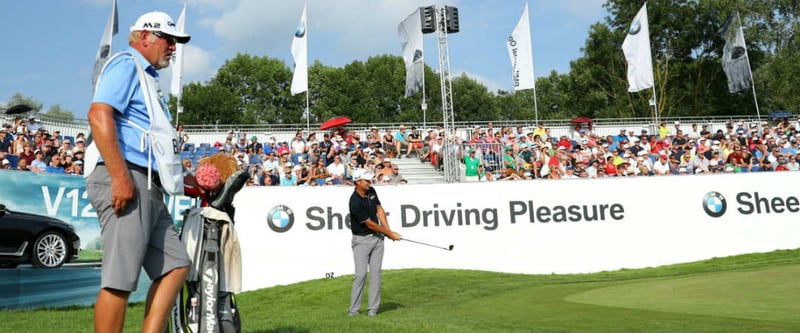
[[486, 153], [306, 160], [513, 154], [27, 146]]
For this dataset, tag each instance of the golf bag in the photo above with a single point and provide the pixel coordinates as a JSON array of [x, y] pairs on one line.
[[207, 302]]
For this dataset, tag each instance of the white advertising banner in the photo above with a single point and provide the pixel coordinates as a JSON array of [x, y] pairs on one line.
[[293, 234]]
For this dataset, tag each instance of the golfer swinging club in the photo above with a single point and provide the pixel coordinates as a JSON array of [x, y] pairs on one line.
[[369, 225]]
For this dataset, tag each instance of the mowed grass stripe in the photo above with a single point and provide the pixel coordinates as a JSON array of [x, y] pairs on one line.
[[764, 294], [437, 300]]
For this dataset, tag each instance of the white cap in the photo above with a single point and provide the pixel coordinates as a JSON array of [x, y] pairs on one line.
[[641, 153], [387, 159], [161, 22], [677, 122], [362, 174], [6, 162]]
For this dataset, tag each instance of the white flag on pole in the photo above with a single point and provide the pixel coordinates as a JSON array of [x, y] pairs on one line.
[[521, 54], [177, 57], [300, 54], [104, 51], [636, 48], [410, 31], [735, 61]]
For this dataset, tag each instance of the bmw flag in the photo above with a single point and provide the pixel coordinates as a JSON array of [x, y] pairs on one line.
[[735, 61], [410, 31], [521, 54], [300, 54], [636, 48], [104, 51]]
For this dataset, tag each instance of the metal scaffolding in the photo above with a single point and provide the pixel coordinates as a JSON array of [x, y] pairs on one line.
[[451, 143]]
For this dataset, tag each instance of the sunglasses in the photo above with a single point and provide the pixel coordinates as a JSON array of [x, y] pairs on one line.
[[171, 40]]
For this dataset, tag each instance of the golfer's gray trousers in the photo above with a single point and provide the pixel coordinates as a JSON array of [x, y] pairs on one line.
[[367, 252]]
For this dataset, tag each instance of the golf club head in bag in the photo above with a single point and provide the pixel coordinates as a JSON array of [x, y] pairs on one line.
[[233, 184]]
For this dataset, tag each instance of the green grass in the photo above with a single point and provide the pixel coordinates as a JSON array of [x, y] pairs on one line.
[[90, 255], [748, 293]]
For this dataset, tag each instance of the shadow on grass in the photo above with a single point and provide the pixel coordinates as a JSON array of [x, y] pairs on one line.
[[289, 329], [386, 307]]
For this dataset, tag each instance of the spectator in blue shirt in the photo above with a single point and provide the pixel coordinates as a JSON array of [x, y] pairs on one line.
[[55, 167]]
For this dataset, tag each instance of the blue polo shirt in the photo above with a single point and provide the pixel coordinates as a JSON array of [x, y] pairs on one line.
[[119, 87]]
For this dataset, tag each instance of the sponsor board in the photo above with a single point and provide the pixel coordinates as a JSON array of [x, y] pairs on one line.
[[64, 197], [539, 227]]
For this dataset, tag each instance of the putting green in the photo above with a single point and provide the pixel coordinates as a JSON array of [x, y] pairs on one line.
[[764, 294]]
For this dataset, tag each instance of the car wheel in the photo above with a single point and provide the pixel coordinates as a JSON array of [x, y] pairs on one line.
[[50, 250]]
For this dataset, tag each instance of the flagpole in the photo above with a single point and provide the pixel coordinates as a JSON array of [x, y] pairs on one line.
[[424, 104], [533, 70], [752, 80], [655, 101], [308, 115], [308, 89], [176, 87]]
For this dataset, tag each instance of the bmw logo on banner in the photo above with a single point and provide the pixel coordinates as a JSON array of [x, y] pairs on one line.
[[636, 26], [714, 204], [280, 218]]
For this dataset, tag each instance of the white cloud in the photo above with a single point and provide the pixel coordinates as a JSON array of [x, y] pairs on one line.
[[346, 29], [582, 9], [491, 85], [197, 64]]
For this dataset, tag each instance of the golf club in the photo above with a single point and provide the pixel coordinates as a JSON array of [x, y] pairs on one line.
[[446, 248]]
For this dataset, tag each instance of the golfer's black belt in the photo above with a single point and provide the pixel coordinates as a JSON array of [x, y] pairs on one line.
[[133, 167]]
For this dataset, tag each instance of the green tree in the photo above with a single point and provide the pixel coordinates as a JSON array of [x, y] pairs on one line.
[[472, 101], [56, 112], [18, 99], [209, 104]]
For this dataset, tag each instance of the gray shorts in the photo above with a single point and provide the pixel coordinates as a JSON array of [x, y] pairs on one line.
[[143, 236]]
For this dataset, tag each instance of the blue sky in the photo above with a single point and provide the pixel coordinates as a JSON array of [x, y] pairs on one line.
[[50, 45]]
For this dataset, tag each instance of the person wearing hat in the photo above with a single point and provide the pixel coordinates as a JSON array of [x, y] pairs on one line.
[[33, 125], [5, 141], [254, 144], [473, 166], [621, 137], [76, 168], [138, 231], [369, 225]]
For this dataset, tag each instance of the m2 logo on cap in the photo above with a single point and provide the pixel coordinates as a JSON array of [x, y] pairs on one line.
[[152, 25]]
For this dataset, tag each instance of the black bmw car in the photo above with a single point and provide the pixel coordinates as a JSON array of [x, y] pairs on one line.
[[42, 241]]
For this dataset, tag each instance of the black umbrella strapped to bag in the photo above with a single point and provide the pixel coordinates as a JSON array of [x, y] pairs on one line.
[[18, 109]]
